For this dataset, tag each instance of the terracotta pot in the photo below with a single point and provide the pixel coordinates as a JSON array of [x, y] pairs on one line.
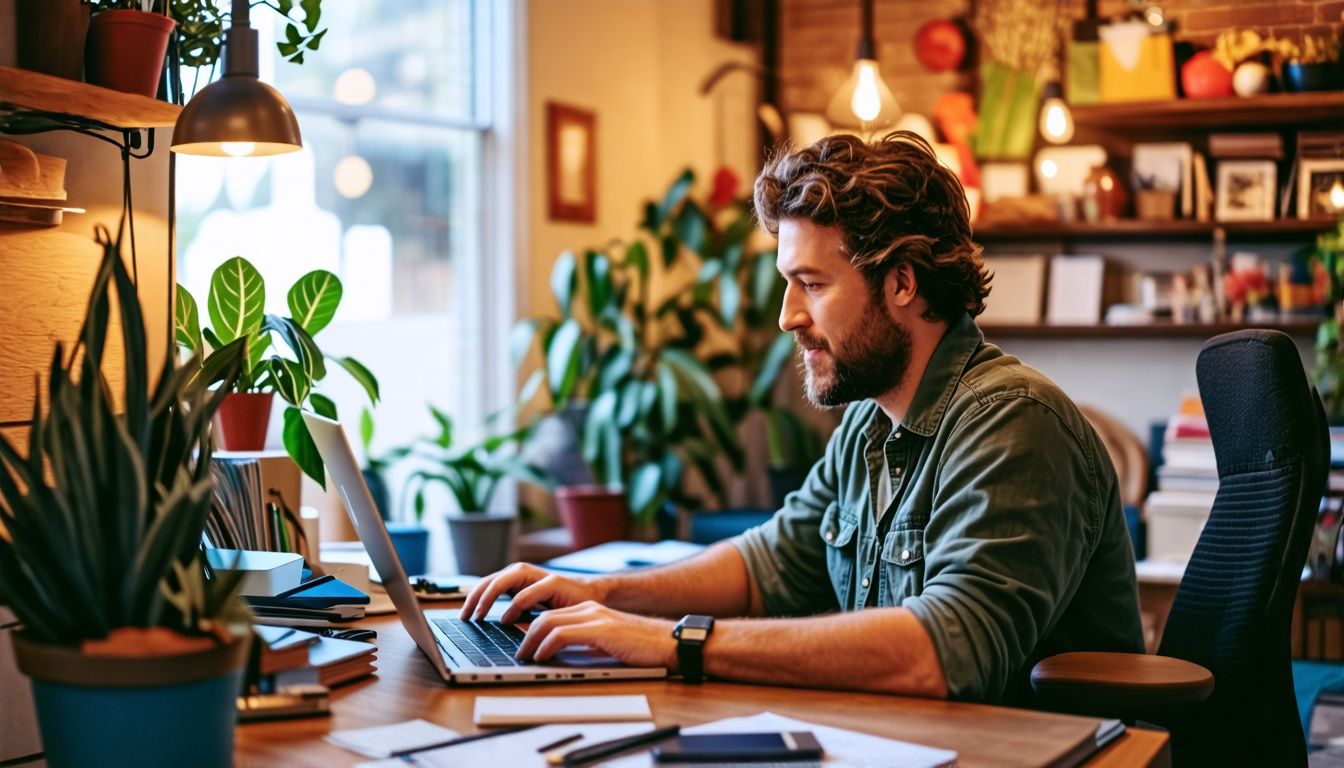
[[243, 419], [50, 36], [593, 514], [107, 710], [126, 50]]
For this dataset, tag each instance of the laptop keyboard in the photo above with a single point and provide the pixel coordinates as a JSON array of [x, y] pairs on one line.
[[485, 643]]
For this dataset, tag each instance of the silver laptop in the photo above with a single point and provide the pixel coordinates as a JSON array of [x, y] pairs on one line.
[[463, 652]]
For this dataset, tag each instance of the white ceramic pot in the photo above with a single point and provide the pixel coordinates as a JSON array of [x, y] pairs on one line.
[[1250, 79]]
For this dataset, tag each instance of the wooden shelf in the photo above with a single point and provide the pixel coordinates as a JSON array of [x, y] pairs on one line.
[[1133, 229], [1286, 109], [1151, 331], [24, 90]]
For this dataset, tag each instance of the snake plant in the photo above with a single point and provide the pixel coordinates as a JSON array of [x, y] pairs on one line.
[[102, 507]]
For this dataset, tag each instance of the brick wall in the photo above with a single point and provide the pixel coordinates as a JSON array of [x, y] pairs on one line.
[[818, 38]]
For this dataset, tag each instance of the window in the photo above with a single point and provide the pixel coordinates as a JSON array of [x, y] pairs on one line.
[[396, 117]]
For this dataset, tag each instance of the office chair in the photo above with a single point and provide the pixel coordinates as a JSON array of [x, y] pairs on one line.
[[1222, 680]]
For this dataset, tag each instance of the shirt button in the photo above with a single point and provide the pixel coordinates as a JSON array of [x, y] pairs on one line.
[[830, 535], [865, 582], [897, 471], [905, 555], [898, 435]]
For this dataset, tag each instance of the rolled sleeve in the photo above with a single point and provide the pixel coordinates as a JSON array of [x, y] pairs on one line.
[[1014, 520], [785, 556]]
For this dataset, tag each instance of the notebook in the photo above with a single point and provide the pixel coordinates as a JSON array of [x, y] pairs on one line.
[[525, 710]]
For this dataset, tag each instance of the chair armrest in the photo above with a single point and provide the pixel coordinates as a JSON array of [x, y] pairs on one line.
[[1125, 685]]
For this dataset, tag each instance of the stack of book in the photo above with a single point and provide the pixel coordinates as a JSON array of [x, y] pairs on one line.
[[289, 656], [1187, 482], [248, 514], [318, 601]]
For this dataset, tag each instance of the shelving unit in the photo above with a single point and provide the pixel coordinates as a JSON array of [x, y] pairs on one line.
[[1154, 231], [21, 90], [1306, 328], [1274, 109]]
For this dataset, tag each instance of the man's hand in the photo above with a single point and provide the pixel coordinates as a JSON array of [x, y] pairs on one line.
[[530, 586], [639, 641]]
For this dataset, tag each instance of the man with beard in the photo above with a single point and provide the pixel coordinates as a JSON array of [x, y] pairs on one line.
[[965, 521]]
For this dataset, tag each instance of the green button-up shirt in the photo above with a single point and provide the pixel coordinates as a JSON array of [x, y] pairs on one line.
[[1004, 535]]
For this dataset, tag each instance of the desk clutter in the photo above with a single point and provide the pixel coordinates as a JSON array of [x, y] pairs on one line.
[[290, 671], [620, 744]]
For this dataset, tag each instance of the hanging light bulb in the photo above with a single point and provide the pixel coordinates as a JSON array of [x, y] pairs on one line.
[[1337, 196], [1056, 122], [864, 101]]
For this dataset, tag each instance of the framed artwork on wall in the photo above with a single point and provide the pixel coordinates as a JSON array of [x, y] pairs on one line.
[[1246, 190], [1320, 185], [571, 163]]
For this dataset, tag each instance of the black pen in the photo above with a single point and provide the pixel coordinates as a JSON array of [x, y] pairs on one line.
[[462, 740], [570, 739], [305, 585], [616, 746]]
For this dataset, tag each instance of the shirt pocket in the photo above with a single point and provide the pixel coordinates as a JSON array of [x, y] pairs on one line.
[[902, 566], [837, 530]]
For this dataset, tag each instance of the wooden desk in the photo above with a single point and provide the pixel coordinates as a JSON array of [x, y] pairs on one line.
[[406, 687]]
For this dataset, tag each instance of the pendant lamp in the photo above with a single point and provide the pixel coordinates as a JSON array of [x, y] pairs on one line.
[[1056, 121], [238, 116], [864, 101]]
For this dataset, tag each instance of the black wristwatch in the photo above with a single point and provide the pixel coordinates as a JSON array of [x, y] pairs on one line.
[[691, 633]]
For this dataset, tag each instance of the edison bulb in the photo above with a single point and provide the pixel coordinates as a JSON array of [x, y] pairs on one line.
[[353, 176], [864, 100], [1337, 196], [1056, 121]]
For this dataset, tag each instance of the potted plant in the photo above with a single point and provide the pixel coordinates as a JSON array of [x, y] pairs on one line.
[[127, 42], [482, 540], [375, 467], [626, 348], [1328, 373], [202, 25], [101, 515], [237, 309]]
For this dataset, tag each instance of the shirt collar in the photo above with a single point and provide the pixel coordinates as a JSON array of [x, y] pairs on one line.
[[942, 375]]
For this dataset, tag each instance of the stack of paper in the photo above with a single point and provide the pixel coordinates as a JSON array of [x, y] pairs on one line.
[[383, 740]]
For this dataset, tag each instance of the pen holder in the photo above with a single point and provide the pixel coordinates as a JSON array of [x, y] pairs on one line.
[[412, 545]]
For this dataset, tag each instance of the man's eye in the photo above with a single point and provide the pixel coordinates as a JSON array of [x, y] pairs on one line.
[[811, 286]]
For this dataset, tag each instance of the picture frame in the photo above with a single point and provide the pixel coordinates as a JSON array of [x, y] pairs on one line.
[[571, 163], [1315, 178], [1247, 190]]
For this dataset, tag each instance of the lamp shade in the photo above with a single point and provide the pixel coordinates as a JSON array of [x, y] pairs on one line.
[[237, 116]]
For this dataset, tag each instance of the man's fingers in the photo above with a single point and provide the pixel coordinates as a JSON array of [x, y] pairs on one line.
[[474, 595], [562, 637], [506, 580], [529, 597], [548, 622]]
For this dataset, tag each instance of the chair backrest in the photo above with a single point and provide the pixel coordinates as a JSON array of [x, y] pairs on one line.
[[1233, 609]]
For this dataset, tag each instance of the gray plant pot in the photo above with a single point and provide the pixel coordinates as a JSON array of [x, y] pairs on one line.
[[482, 541]]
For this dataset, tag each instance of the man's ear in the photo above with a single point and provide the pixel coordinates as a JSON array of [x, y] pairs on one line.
[[900, 287]]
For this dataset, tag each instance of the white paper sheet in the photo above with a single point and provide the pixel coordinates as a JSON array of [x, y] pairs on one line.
[[383, 740], [523, 710]]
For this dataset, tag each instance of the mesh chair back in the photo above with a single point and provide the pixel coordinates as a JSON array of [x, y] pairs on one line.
[[1233, 609]]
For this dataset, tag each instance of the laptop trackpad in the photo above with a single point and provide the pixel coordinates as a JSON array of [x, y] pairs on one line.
[[585, 656]]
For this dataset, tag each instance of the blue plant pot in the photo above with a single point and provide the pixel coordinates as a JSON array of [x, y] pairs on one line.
[[151, 712], [412, 545], [1312, 77]]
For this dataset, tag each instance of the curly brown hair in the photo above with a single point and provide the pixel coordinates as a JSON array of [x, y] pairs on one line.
[[894, 203]]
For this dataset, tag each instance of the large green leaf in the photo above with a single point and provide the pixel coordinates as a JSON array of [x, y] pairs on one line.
[[562, 360], [564, 281], [775, 356], [362, 375], [646, 487], [301, 448], [323, 406], [730, 298], [291, 380], [691, 227], [237, 302], [637, 255], [675, 195], [667, 395], [300, 342], [313, 300], [187, 321], [598, 276]]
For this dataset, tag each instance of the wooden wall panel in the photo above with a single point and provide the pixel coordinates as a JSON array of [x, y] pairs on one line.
[[48, 274]]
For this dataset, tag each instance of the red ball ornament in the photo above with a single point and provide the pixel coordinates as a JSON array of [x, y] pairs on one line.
[[1203, 77], [940, 45]]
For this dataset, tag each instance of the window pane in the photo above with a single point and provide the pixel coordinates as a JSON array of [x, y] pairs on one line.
[[420, 53]]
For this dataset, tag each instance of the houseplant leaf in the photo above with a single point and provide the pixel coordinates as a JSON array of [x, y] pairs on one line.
[[675, 195], [313, 300], [776, 355], [237, 302], [564, 281], [187, 321], [300, 446], [362, 375], [562, 360]]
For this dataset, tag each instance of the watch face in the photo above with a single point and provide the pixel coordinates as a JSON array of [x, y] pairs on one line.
[[693, 634], [698, 622]]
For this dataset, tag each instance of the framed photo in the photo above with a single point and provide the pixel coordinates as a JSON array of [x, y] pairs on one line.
[[1316, 180], [1247, 190], [571, 163]]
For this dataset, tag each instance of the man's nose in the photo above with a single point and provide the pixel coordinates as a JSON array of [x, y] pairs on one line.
[[792, 316]]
